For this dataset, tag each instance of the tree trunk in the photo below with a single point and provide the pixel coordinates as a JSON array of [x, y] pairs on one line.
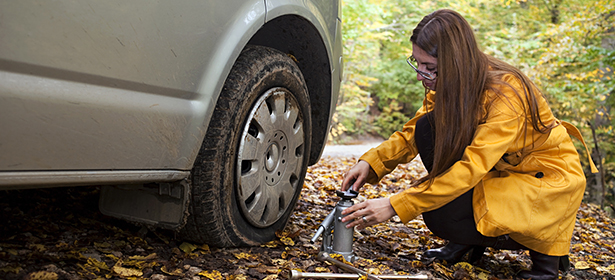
[[597, 189]]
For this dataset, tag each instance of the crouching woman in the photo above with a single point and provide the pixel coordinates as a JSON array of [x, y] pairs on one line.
[[502, 170]]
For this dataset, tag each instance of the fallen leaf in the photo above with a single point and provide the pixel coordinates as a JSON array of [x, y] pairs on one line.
[[187, 247], [126, 272], [174, 272], [98, 264], [213, 275], [151, 256], [11, 269], [245, 256], [42, 275], [582, 265], [287, 241]]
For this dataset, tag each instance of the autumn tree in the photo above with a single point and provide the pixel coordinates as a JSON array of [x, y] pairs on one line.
[[565, 46]]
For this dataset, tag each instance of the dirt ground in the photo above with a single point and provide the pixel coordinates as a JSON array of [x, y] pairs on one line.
[[59, 233]]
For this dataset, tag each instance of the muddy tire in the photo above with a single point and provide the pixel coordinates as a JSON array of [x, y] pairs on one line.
[[250, 169]]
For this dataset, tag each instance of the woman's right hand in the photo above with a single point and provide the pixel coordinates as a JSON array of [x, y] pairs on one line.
[[356, 177]]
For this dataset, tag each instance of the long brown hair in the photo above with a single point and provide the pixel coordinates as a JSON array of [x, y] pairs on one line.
[[465, 73]]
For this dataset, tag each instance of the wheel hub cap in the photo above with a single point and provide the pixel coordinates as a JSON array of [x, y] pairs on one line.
[[271, 160], [270, 157]]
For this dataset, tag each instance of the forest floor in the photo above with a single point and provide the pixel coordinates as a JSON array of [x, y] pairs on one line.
[[58, 233]]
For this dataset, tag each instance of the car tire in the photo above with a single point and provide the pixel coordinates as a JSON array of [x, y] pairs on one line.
[[250, 169]]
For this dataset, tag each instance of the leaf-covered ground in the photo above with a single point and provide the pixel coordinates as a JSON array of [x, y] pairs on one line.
[[59, 234]]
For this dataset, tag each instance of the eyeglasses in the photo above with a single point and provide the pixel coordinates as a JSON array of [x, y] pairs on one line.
[[429, 76]]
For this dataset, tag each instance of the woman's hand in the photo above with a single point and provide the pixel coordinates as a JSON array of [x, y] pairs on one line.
[[357, 176], [367, 213]]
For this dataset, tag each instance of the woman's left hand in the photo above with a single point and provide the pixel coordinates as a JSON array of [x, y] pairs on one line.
[[368, 213]]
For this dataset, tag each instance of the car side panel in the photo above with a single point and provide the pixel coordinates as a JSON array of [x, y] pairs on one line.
[[113, 85]]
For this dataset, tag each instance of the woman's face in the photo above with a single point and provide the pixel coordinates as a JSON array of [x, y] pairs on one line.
[[425, 63]]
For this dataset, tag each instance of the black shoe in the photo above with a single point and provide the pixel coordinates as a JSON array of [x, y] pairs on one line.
[[477, 253], [564, 263], [452, 252], [544, 267]]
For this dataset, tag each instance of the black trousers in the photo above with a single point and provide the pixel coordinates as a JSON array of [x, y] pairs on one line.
[[455, 220]]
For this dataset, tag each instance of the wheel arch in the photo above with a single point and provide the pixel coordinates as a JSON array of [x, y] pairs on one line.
[[300, 39]]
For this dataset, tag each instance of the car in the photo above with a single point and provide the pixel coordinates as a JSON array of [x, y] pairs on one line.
[[197, 116]]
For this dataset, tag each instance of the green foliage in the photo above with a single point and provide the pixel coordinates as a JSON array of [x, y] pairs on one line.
[[565, 46], [574, 67], [391, 119], [361, 50], [375, 48]]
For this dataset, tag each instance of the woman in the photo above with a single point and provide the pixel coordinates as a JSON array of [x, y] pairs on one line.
[[503, 171]]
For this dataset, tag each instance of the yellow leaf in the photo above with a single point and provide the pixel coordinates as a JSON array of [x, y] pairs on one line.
[[176, 272], [374, 270], [98, 264], [483, 276], [111, 256], [144, 258], [127, 272], [242, 255], [577, 247], [287, 241], [443, 269], [581, 265], [42, 275], [339, 258], [464, 265], [279, 262], [187, 247], [205, 248], [11, 269], [603, 269], [270, 244], [213, 275], [362, 83], [416, 264]]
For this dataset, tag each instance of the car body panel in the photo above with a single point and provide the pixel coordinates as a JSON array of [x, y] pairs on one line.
[[115, 91], [132, 79]]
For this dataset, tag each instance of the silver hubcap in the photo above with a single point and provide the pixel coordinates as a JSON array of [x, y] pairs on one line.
[[270, 157]]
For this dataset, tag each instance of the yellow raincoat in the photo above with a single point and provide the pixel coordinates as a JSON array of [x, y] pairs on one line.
[[534, 192]]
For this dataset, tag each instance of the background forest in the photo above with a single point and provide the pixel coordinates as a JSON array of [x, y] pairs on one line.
[[567, 47]]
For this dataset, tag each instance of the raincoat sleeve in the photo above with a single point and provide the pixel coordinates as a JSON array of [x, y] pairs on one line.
[[398, 149], [491, 141]]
